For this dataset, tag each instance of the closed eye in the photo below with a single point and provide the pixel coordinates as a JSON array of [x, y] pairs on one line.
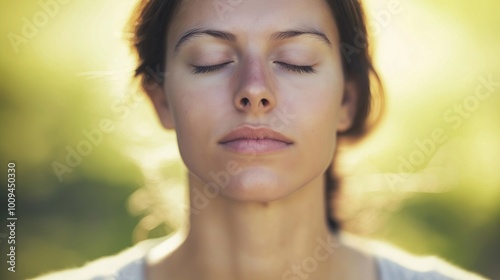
[[301, 69], [209, 68]]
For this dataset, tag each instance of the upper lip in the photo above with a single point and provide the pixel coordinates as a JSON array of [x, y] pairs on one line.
[[254, 133]]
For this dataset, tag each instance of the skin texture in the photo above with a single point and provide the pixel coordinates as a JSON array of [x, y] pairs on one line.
[[265, 212]]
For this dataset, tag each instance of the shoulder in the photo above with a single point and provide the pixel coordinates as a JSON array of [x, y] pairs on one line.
[[395, 264], [126, 265]]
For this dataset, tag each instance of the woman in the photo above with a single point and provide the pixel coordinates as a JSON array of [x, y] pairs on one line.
[[257, 92]]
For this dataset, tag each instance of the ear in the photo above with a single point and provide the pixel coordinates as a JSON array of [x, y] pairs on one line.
[[348, 106], [158, 97]]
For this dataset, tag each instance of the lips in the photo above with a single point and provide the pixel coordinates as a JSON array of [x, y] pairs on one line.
[[255, 140]]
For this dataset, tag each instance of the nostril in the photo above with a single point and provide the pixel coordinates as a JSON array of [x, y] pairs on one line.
[[265, 102], [244, 102]]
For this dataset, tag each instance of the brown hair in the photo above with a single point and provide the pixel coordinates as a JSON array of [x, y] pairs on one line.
[[152, 18]]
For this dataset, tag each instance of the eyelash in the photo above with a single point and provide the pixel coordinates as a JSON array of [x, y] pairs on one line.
[[296, 68], [285, 66], [210, 68]]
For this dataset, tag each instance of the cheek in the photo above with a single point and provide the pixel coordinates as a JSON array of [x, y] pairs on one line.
[[190, 102], [318, 102], [318, 109], [197, 112], [321, 124]]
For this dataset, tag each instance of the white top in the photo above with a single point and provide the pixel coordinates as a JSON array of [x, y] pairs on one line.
[[392, 264]]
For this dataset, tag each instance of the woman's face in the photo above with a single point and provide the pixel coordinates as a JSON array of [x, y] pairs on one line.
[[255, 92]]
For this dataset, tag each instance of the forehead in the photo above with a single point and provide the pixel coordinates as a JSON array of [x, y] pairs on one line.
[[253, 19]]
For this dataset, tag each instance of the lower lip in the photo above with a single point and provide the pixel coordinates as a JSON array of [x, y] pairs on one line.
[[255, 146]]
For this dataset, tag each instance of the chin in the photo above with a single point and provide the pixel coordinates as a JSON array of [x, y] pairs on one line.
[[259, 184]]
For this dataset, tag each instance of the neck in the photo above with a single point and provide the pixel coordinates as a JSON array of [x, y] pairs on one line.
[[283, 239], [242, 240]]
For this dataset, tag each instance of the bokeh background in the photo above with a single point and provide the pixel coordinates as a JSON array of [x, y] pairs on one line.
[[66, 88]]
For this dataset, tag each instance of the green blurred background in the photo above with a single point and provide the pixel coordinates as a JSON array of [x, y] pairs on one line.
[[66, 69]]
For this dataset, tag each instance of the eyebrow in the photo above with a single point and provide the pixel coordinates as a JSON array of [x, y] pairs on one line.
[[282, 35], [227, 36], [230, 37]]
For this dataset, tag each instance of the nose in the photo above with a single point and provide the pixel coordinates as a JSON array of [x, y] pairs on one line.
[[255, 91]]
